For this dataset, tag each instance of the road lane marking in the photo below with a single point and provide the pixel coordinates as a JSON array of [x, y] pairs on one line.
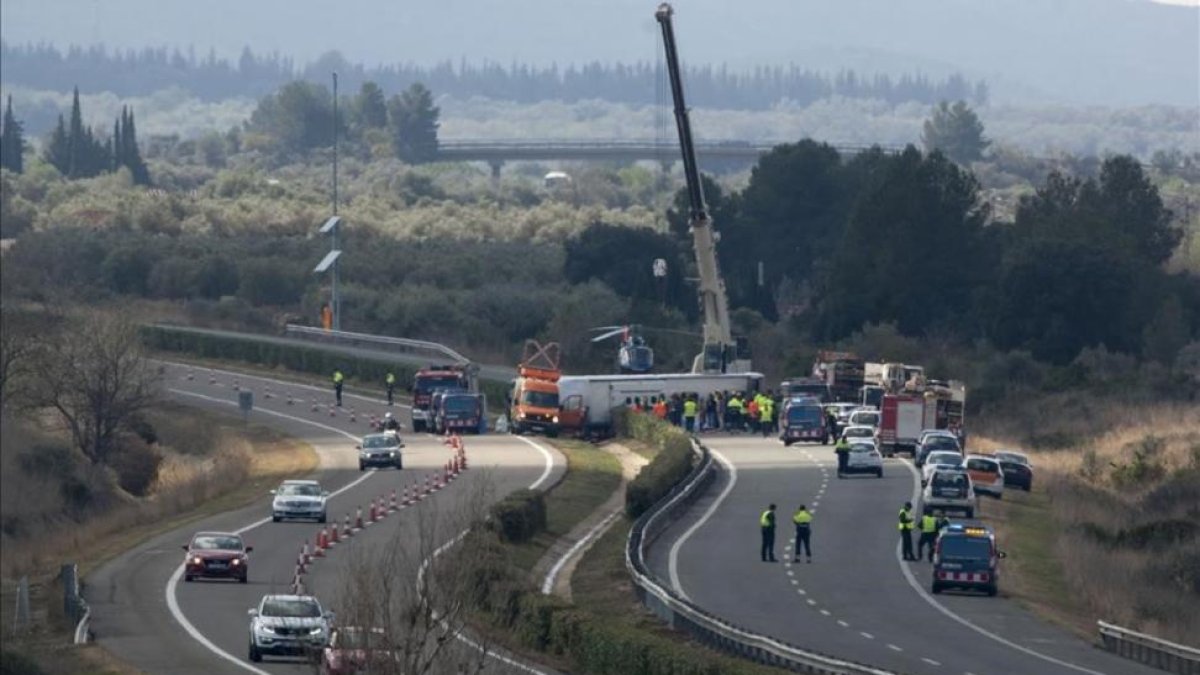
[[825, 612], [912, 581], [931, 661], [673, 558], [866, 635], [546, 455], [894, 648], [552, 575], [843, 624]]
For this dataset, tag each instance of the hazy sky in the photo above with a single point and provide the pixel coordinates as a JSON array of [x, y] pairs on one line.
[[1082, 51]]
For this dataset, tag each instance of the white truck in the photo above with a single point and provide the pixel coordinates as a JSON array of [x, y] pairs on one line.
[[587, 401]]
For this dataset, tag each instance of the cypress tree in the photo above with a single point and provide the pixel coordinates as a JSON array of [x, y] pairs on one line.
[[115, 145], [77, 151], [58, 148], [12, 142], [130, 154]]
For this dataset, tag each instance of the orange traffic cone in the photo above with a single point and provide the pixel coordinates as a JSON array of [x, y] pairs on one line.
[[358, 522], [346, 531], [304, 554], [301, 564], [191, 375], [319, 547], [394, 506], [334, 538]]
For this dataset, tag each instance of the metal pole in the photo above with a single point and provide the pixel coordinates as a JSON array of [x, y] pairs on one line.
[[337, 309]]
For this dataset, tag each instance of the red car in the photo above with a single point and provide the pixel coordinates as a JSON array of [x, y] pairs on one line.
[[216, 554], [353, 650]]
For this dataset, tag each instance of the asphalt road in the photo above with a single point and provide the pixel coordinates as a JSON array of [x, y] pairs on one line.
[[857, 600], [146, 615]]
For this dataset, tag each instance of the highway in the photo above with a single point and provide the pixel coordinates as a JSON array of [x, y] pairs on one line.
[[857, 600], [147, 616]]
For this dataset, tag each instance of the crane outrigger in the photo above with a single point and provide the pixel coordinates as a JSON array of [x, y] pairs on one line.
[[721, 352]]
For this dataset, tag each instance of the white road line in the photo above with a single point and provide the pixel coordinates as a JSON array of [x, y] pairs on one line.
[[811, 601], [673, 559], [894, 647], [825, 612], [866, 635], [214, 399], [931, 661], [545, 454], [916, 586], [552, 575], [843, 624], [327, 390]]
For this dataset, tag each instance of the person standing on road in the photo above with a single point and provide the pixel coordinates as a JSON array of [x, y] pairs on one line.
[[766, 523], [689, 414], [942, 522], [929, 532], [338, 378], [390, 383], [752, 415], [843, 455], [906, 528], [803, 520], [765, 416], [734, 406]]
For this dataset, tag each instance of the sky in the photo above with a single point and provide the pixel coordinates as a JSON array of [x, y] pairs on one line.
[[1118, 52]]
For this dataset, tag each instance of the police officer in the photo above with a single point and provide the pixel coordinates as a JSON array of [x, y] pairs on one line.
[[766, 522], [766, 414], [906, 528], [929, 532], [942, 522], [843, 455], [337, 385], [390, 423], [390, 383], [803, 520], [735, 412]]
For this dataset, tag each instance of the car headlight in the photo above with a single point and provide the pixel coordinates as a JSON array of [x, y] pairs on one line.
[[197, 561], [521, 415], [236, 561], [315, 630], [264, 629], [554, 419]]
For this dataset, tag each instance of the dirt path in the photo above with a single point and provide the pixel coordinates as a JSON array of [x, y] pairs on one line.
[[557, 566]]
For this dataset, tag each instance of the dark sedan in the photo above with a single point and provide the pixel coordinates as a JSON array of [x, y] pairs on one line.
[[1018, 472], [216, 554]]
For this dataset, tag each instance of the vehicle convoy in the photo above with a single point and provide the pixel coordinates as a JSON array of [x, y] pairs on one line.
[[386, 450], [966, 557], [721, 352], [456, 410], [949, 490], [804, 419], [534, 401], [589, 400], [302, 499], [220, 555], [427, 381], [288, 625], [843, 373]]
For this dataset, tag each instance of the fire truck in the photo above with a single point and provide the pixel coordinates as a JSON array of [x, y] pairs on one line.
[[429, 380]]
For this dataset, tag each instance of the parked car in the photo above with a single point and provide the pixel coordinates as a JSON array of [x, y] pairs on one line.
[[288, 625], [220, 555], [864, 457], [986, 475], [1018, 472], [303, 499], [354, 651], [935, 443], [949, 490], [940, 459], [384, 449], [966, 558]]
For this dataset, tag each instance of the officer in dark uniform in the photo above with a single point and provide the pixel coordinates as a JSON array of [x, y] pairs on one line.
[[906, 528], [766, 523]]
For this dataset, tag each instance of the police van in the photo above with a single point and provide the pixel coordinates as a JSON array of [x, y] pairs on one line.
[[966, 558]]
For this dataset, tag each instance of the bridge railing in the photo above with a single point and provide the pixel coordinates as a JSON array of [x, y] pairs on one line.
[[1147, 649], [705, 627]]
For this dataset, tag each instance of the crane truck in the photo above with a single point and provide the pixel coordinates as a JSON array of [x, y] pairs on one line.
[[721, 353]]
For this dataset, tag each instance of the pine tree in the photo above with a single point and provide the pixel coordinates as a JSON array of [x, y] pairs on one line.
[[129, 154], [115, 145], [77, 152], [12, 142], [58, 148]]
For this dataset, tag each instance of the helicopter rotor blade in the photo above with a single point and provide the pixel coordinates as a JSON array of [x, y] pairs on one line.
[[609, 334]]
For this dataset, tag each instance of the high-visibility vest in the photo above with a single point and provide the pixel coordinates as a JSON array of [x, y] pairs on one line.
[[337, 377], [928, 524], [766, 412], [660, 410], [735, 403], [802, 517], [390, 379], [906, 522], [767, 518], [689, 408]]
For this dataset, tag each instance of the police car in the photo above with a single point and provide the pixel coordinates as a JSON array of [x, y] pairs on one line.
[[966, 558]]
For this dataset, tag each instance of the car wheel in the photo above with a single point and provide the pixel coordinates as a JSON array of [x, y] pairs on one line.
[[399, 465], [787, 444], [362, 467], [275, 519], [937, 588], [324, 517], [879, 473], [255, 655], [1029, 487], [991, 591], [188, 578], [999, 495], [244, 578]]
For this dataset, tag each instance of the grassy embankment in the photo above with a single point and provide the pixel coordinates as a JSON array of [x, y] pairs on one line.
[[211, 463], [1111, 530]]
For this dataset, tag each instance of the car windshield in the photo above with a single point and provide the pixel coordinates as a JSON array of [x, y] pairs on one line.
[[356, 638], [982, 465], [460, 404], [949, 479], [381, 441], [940, 443], [540, 399], [945, 458], [294, 607], [966, 548], [217, 542], [287, 490], [803, 413], [859, 433], [428, 384]]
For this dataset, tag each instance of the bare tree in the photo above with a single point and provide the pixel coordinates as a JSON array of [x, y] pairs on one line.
[[94, 375], [418, 587], [18, 344]]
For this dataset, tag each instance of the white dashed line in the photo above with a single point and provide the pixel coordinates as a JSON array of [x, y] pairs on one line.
[[931, 661], [811, 601], [867, 635], [843, 624], [894, 648], [825, 612]]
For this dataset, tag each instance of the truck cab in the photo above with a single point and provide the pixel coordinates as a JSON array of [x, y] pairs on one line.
[[534, 405], [459, 411], [425, 383]]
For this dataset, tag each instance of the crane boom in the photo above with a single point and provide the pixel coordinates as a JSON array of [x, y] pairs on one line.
[[720, 350]]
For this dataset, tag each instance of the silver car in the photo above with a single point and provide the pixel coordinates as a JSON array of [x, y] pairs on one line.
[[288, 625], [949, 490], [302, 499]]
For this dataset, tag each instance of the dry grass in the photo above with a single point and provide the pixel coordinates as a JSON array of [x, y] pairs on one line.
[[1112, 529]]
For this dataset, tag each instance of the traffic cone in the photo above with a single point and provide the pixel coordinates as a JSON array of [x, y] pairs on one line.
[[304, 553], [289, 402], [236, 386], [456, 468], [314, 406], [374, 517], [463, 456], [332, 412], [191, 375], [358, 521], [297, 584], [301, 566], [394, 506], [266, 392], [352, 414], [407, 496], [212, 379], [346, 531], [319, 546], [334, 538], [428, 485]]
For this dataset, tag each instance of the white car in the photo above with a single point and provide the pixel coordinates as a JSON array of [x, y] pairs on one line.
[[986, 475], [288, 625], [940, 459], [865, 417], [864, 458], [949, 490], [859, 433], [842, 410], [301, 499]]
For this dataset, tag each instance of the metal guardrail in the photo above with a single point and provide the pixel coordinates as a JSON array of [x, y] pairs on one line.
[[1147, 649], [709, 629], [74, 606], [394, 344]]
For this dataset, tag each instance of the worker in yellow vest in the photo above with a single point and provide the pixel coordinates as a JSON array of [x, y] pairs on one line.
[[689, 414], [929, 532], [766, 523], [803, 521], [390, 383], [766, 412], [338, 379]]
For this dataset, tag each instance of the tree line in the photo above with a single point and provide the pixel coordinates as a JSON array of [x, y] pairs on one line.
[[141, 72], [78, 151]]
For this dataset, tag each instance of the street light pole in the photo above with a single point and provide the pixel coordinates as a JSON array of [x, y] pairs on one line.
[[337, 306]]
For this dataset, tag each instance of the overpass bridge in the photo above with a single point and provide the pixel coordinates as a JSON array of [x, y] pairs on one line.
[[496, 153]]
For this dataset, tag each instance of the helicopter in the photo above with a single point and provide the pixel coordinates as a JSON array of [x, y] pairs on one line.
[[634, 355]]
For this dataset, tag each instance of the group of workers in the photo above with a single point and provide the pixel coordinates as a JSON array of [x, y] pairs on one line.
[[930, 525], [720, 410], [389, 385]]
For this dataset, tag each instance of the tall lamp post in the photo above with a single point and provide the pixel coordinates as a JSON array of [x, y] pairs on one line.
[[330, 261]]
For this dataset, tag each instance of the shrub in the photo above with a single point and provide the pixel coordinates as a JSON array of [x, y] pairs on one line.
[[519, 516], [671, 465], [136, 465]]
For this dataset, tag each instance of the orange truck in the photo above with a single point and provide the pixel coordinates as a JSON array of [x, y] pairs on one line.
[[533, 405]]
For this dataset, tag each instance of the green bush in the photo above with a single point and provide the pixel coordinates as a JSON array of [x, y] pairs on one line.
[[519, 516], [671, 465]]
